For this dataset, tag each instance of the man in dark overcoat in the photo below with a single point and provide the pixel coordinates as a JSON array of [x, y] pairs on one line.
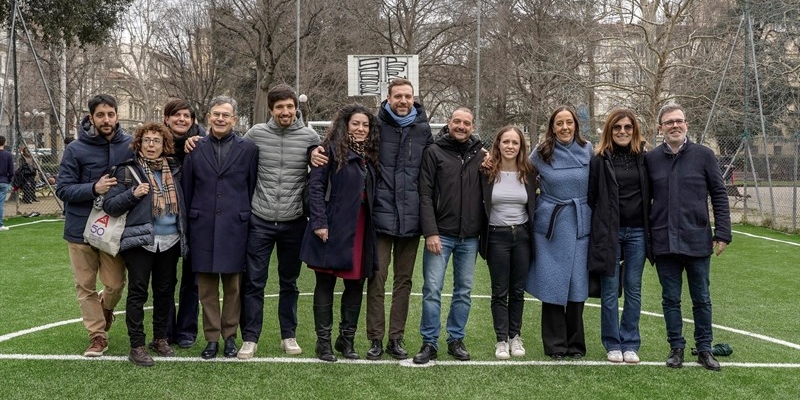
[[218, 182]]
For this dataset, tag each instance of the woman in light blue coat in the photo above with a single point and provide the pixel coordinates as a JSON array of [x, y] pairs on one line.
[[558, 276]]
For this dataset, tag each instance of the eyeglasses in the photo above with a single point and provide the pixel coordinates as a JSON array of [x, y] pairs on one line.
[[673, 122], [619, 128], [216, 114], [155, 141]]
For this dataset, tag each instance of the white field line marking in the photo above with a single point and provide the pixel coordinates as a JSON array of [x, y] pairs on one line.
[[795, 346], [403, 363], [766, 238], [34, 222]]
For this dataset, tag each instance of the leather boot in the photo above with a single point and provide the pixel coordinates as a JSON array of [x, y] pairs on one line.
[[347, 331], [323, 323]]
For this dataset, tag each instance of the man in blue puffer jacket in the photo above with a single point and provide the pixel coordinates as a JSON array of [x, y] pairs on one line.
[[83, 176]]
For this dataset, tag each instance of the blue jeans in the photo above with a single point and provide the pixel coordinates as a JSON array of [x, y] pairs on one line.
[[464, 253], [3, 193], [670, 273], [623, 334]]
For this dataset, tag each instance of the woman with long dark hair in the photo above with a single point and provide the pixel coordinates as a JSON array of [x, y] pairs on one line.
[[339, 241], [509, 197], [619, 197], [558, 276]]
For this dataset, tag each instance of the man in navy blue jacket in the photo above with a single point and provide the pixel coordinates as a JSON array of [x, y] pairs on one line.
[[83, 176], [6, 173], [683, 176]]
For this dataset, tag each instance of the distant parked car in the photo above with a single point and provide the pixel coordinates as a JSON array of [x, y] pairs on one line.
[[43, 151]]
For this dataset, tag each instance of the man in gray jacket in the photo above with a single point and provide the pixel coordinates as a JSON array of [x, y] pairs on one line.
[[277, 218]]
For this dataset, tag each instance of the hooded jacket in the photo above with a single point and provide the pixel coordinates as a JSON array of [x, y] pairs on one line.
[[84, 161], [450, 188], [396, 210], [282, 168]]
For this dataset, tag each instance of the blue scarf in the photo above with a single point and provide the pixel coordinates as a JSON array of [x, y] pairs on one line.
[[402, 121]]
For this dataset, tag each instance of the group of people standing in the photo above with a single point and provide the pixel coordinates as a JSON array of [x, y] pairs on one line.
[[543, 220]]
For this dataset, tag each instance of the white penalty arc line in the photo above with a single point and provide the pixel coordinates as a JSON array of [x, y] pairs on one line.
[[767, 238]]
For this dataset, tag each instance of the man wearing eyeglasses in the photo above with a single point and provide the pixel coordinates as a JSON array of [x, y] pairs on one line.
[[278, 218], [83, 176], [683, 175], [219, 177]]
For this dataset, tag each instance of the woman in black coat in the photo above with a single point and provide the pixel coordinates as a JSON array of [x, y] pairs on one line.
[[339, 241], [619, 198], [154, 237]]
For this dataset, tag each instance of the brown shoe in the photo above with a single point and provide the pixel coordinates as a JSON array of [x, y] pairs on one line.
[[140, 357], [97, 348], [162, 348]]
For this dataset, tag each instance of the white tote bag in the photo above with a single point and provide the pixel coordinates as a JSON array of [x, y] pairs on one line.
[[102, 230]]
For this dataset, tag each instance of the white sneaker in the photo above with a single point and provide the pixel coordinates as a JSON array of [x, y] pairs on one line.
[[290, 346], [630, 357], [615, 356], [501, 351], [247, 351], [516, 347], [3, 228]]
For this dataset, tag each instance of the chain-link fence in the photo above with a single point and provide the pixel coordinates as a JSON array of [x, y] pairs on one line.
[[761, 176]]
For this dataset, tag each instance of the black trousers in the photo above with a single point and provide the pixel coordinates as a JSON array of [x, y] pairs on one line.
[[141, 265], [323, 291], [509, 258], [562, 329], [183, 326]]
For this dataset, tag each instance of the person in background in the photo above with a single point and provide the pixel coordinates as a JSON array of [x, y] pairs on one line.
[[509, 198], [559, 277], [683, 176], [619, 196], [340, 240], [154, 236], [6, 175], [83, 176], [219, 177], [27, 172]]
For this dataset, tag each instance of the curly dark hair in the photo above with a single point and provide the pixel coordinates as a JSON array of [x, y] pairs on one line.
[[166, 135], [546, 148], [337, 135]]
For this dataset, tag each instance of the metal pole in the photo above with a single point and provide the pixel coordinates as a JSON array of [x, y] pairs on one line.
[[297, 49], [478, 74], [12, 37]]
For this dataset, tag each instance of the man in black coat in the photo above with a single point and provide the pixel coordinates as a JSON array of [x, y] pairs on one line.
[[452, 216], [683, 175]]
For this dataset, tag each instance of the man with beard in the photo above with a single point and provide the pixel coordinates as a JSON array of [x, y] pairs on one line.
[[451, 211], [278, 219], [84, 176], [683, 175]]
